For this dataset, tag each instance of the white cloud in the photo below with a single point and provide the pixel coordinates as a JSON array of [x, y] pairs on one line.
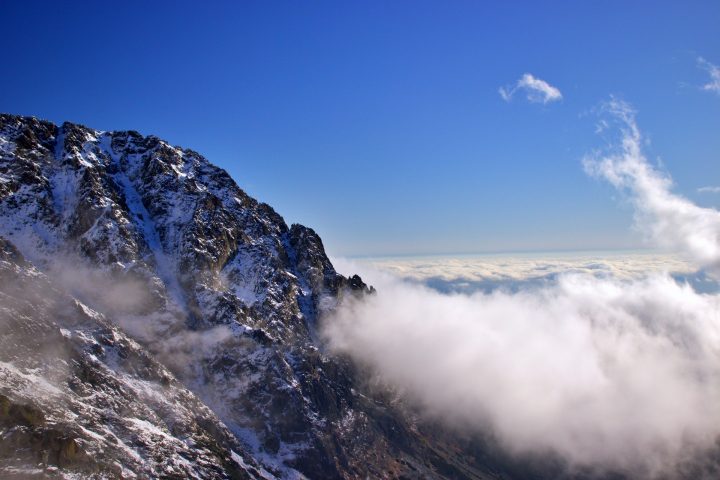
[[714, 84], [614, 371], [607, 373], [536, 90], [709, 190], [668, 220]]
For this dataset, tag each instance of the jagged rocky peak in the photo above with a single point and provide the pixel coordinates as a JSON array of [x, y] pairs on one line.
[[180, 333], [212, 282], [136, 204]]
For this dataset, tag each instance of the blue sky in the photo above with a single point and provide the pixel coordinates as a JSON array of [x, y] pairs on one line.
[[380, 124]]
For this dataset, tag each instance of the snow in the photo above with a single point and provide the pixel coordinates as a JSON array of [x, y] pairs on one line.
[[274, 462], [32, 381], [148, 428], [88, 311], [239, 460], [143, 218], [6, 146], [244, 278], [272, 299], [63, 185]]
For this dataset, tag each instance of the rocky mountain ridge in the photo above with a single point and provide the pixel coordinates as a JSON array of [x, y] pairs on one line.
[[211, 295]]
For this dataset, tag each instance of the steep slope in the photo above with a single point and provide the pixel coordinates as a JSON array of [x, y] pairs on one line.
[[78, 398], [216, 286]]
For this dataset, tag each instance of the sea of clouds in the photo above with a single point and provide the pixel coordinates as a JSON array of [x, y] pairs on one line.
[[514, 272], [607, 360]]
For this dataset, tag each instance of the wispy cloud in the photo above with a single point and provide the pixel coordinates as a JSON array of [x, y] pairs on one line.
[[708, 190], [668, 219], [714, 84], [536, 90]]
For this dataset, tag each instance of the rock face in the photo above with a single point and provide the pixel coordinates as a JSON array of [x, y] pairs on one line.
[[81, 398], [163, 323]]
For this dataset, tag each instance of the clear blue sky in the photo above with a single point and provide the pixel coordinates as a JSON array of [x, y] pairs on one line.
[[379, 124]]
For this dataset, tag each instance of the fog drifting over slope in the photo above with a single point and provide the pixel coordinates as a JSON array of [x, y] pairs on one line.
[[605, 370]]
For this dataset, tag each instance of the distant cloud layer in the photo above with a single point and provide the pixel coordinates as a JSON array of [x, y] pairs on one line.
[[536, 90], [526, 267], [714, 84], [709, 190], [487, 273]]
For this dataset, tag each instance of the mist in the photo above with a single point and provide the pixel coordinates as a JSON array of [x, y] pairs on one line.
[[140, 305], [609, 372]]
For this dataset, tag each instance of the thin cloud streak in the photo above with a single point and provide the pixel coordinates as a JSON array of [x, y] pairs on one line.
[[537, 90], [714, 84]]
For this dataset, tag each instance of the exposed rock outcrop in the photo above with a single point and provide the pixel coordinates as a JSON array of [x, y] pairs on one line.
[[165, 278]]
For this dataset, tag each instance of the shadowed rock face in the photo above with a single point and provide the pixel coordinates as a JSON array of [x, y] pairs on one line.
[[172, 280]]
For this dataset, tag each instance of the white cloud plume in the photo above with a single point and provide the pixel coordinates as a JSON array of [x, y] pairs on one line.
[[537, 90], [714, 84], [616, 372], [669, 220]]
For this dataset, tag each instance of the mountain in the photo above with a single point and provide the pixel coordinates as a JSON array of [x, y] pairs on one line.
[[158, 322], [80, 397]]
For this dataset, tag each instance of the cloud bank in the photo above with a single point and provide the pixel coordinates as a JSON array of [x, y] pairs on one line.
[[708, 190], [610, 372], [489, 272], [714, 84], [601, 372], [536, 90]]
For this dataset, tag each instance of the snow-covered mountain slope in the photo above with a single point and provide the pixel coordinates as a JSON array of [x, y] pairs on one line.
[[215, 287], [78, 398]]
